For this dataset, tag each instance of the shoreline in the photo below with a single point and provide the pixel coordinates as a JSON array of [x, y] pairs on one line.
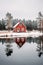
[[11, 34]]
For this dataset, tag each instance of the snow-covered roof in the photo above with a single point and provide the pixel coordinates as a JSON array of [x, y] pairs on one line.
[[16, 25]]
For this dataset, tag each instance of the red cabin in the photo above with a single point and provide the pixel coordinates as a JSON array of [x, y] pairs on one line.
[[20, 27]]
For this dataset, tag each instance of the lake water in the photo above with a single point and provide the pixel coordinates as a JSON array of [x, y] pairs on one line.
[[31, 53]]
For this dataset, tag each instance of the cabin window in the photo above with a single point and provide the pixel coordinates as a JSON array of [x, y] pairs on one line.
[[18, 30], [22, 29]]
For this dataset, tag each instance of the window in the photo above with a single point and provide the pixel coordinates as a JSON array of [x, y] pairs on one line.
[[22, 29]]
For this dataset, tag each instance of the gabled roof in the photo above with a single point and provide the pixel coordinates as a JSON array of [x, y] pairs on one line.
[[18, 23]]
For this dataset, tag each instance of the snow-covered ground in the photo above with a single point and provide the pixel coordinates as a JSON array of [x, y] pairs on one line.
[[11, 34]]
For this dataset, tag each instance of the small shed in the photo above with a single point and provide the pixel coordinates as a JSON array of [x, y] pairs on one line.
[[19, 27]]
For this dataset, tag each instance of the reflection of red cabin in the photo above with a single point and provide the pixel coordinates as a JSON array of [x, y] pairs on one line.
[[19, 27]]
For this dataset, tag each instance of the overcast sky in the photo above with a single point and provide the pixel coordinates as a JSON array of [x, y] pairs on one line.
[[21, 9]]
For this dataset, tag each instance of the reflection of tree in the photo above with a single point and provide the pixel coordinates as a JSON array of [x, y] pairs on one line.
[[8, 43], [2, 41], [40, 47], [29, 40], [9, 49], [34, 40]]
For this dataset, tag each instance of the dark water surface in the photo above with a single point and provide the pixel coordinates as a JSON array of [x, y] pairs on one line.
[[31, 53]]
